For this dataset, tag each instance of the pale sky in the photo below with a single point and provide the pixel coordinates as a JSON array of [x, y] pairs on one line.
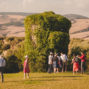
[[58, 6]]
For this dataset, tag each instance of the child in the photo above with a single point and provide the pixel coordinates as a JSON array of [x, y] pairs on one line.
[[26, 67], [75, 64]]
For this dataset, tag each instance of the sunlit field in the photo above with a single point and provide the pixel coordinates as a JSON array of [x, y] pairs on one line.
[[46, 81]]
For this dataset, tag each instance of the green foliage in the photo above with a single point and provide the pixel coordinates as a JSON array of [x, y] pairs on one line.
[[1, 44], [14, 59], [6, 46], [76, 51], [87, 55], [78, 45], [13, 50], [58, 41], [0, 51], [10, 38], [1, 38], [45, 32], [12, 64]]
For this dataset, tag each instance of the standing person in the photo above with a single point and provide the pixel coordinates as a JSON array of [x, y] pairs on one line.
[[55, 63], [26, 67], [59, 62], [2, 65], [50, 62], [64, 62], [83, 59], [75, 64]]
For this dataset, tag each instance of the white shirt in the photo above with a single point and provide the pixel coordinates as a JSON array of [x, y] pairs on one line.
[[59, 58], [50, 59], [2, 62], [64, 57]]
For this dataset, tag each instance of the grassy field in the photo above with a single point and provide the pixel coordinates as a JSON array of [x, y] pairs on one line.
[[46, 81]]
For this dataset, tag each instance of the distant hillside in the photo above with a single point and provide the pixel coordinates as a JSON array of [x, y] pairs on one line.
[[12, 24], [15, 13], [75, 16]]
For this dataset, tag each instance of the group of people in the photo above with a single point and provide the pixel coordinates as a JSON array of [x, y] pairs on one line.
[[75, 62], [56, 62]]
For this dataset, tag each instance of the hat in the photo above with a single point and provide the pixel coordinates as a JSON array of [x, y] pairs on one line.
[[26, 56], [51, 53]]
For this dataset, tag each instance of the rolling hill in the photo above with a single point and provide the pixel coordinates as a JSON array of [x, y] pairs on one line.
[[12, 24]]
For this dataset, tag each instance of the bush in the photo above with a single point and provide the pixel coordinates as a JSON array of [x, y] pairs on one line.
[[87, 60], [10, 38], [13, 64], [76, 51], [1, 51], [6, 46], [1, 38], [58, 41], [1, 44]]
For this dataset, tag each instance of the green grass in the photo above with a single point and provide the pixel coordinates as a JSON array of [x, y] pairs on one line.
[[46, 81]]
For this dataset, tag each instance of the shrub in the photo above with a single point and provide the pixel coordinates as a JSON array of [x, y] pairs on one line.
[[6, 46], [10, 38], [58, 41], [1, 51], [1, 44], [1, 38], [12, 64]]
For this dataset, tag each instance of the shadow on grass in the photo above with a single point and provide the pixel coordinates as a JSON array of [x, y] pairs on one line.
[[57, 76], [38, 80]]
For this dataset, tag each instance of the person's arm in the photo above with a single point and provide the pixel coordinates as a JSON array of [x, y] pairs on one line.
[[66, 58], [81, 57], [25, 64], [72, 61]]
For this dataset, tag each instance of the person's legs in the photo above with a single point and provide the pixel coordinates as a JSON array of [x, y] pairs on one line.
[[27, 75], [65, 66], [83, 65], [57, 69], [24, 75], [2, 78], [73, 73], [76, 72], [54, 70], [49, 68]]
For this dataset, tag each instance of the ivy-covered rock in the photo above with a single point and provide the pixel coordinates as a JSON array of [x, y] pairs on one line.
[[45, 32]]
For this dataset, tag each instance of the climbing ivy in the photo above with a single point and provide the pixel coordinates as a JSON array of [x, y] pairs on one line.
[[45, 32]]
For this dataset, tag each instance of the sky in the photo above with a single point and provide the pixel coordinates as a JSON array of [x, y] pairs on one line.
[[80, 7]]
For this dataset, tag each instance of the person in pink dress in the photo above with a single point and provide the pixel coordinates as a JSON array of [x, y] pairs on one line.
[[26, 69], [75, 64]]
